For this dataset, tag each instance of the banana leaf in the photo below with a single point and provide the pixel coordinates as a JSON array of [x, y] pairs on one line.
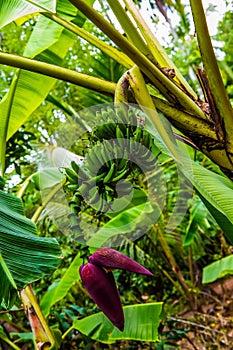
[[141, 323], [25, 257]]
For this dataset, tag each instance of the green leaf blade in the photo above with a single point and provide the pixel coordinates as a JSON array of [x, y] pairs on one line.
[[25, 256], [218, 269], [141, 323], [61, 288]]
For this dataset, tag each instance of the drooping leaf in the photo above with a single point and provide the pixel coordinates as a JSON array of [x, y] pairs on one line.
[[28, 90], [58, 290], [141, 323], [8, 293], [197, 216], [218, 269], [11, 10], [216, 192], [27, 256], [138, 217]]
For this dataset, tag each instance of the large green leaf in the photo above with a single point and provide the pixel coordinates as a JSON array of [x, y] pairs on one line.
[[28, 90], [59, 289], [138, 217], [216, 192], [141, 323], [10, 10], [218, 269], [8, 293], [26, 257]]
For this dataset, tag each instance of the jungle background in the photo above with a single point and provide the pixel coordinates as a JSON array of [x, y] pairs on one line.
[[195, 315]]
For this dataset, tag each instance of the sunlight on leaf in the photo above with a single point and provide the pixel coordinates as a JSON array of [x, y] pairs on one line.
[[218, 269], [141, 323]]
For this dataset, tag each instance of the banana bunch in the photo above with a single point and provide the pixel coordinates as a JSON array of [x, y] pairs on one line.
[[119, 145]]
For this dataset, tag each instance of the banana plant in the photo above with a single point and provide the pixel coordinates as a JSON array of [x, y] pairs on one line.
[[181, 105], [151, 80]]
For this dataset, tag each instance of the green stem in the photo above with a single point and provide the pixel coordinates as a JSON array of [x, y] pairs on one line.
[[9, 342], [24, 187], [128, 27], [217, 88], [155, 49], [110, 51], [175, 267], [143, 98], [67, 332], [185, 121], [51, 70], [96, 84], [161, 81]]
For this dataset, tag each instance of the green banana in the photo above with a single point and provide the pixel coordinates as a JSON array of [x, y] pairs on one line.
[[105, 154], [72, 187], [77, 198], [146, 137], [94, 195], [138, 134], [119, 133], [71, 175], [110, 173], [119, 176], [79, 170], [93, 161], [83, 189], [100, 176]]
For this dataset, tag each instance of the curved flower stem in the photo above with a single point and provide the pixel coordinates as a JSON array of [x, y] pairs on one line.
[[145, 101], [175, 267], [216, 85]]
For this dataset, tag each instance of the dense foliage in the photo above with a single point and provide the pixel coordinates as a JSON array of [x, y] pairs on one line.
[[108, 152]]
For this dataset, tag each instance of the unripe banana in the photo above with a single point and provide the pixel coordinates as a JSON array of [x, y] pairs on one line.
[[120, 176], [119, 133], [111, 173]]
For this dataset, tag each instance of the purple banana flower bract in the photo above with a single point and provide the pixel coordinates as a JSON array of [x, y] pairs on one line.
[[102, 289], [110, 258]]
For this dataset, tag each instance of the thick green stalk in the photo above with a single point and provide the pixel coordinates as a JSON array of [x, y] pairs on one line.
[[217, 88], [111, 51], [161, 81], [156, 50], [143, 98], [128, 27], [84, 80], [185, 121]]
